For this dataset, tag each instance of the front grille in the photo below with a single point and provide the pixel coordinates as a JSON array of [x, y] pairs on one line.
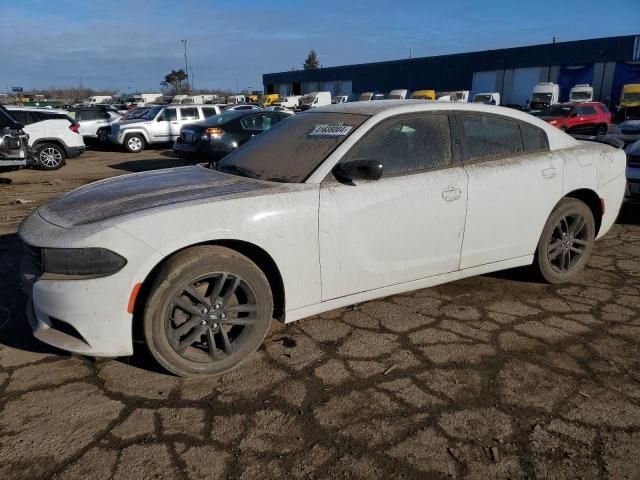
[[34, 254]]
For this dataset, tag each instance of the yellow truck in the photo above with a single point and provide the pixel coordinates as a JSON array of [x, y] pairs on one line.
[[253, 98], [270, 99], [424, 95], [629, 99]]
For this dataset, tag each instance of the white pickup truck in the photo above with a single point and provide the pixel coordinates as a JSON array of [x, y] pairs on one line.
[[160, 124]]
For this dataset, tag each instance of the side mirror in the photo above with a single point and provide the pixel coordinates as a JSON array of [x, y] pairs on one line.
[[358, 170]]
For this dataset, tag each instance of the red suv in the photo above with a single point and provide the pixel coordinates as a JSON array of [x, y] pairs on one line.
[[588, 117]]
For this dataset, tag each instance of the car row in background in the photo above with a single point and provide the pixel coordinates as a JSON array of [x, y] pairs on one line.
[[157, 124]]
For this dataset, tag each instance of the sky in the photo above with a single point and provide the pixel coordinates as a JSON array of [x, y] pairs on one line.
[[130, 45]]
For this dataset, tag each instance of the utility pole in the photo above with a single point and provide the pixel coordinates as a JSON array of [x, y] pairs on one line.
[[191, 76], [186, 63]]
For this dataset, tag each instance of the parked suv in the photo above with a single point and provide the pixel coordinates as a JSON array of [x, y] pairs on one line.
[[584, 117], [14, 143], [159, 124], [95, 122], [53, 135]]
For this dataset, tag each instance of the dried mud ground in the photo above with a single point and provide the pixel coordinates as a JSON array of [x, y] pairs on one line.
[[490, 377]]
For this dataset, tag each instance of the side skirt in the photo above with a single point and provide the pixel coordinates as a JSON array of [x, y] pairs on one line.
[[299, 313]]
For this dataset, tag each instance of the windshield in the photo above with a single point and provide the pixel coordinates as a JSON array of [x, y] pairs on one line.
[[364, 97], [482, 99], [541, 97], [580, 96], [290, 151], [631, 97], [308, 99], [557, 111], [151, 113]]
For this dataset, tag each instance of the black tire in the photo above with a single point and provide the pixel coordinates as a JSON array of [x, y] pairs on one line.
[[134, 143], [51, 156], [601, 129], [564, 129], [566, 241], [178, 327]]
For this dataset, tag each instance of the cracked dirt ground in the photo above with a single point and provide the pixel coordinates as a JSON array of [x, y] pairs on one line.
[[490, 377]]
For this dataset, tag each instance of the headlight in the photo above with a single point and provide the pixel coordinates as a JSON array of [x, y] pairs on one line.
[[91, 262]]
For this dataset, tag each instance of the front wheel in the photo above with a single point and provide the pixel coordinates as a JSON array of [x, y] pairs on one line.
[[50, 156], [601, 130], [208, 310], [566, 241], [134, 143]]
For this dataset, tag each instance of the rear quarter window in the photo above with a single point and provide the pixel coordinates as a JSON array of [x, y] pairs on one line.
[[533, 138]]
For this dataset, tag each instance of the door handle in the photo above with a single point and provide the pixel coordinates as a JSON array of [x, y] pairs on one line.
[[174, 123], [549, 173], [451, 194]]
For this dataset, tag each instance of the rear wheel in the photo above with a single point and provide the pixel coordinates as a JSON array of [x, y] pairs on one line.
[[134, 143], [208, 311], [50, 156], [601, 129], [566, 242]]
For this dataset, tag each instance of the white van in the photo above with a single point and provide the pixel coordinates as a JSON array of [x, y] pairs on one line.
[[456, 96], [315, 99], [581, 92], [290, 101], [100, 99], [490, 98], [339, 99], [236, 99], [544, 95], [398, 94]]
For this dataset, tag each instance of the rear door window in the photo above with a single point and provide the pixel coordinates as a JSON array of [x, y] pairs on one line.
[[189, 113], [486, 137], [588, 110], [168, 115], [261, 121]]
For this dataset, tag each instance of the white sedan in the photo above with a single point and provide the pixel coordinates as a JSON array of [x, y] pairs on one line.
[[335, 206]]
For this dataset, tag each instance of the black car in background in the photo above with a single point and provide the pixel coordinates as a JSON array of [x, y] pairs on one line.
[[213, 138]]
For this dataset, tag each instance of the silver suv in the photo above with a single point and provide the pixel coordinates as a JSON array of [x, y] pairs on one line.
[[159, 124]]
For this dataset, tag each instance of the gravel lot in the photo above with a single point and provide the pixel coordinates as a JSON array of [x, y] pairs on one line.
[[490, 377]]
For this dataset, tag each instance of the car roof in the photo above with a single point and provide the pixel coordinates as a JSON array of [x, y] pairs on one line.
[[36, 109]]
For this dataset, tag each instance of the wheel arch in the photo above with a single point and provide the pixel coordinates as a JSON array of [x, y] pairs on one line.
[[253, 252], [138, 131], [53, 140], [593, 201]]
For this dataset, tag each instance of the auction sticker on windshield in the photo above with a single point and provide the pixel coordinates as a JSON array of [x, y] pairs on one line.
[[330, 130]]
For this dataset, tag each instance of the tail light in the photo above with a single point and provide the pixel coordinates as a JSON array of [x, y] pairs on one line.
[[214, 132], [75, 127]]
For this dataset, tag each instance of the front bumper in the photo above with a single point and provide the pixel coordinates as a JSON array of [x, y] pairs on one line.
[[88, 316], [632, 192], [116, 137], [13, 162]]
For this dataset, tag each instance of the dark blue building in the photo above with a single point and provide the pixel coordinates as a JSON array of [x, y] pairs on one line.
[[605, 63]]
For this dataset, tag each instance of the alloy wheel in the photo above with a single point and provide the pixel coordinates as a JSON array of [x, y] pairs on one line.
[[50, 157], [568, 243], [209, 318], [134, 143]]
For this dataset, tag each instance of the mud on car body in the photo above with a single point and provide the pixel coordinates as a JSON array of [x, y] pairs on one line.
[[329, 208]]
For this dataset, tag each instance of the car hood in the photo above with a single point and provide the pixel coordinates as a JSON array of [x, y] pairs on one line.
[[124, 195]]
